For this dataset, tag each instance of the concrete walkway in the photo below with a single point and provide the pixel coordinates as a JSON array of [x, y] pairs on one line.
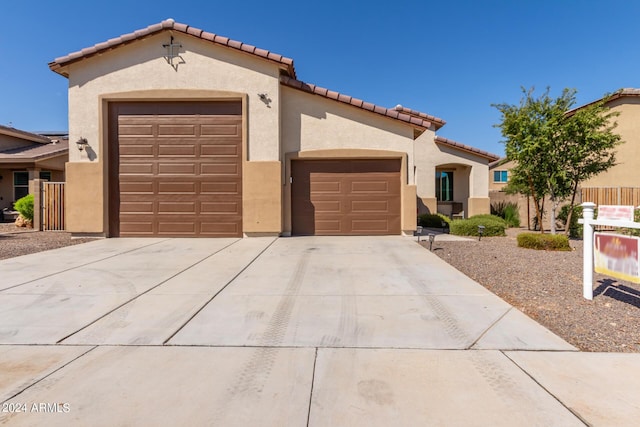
[[320, 331]]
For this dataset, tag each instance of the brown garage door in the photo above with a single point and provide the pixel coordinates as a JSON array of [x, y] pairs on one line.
[[175, 169], [345, 197]]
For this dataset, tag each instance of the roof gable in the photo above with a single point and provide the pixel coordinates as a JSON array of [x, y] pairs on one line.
[[58, 64]]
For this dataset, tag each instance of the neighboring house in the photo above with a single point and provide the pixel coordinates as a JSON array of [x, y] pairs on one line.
[[25, 156], [192, 134], [618, 185]]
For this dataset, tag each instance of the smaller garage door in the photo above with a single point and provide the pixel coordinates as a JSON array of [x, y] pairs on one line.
[[345, 197]]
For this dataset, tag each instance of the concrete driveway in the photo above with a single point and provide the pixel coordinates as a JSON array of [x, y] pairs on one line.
[[320, 331]]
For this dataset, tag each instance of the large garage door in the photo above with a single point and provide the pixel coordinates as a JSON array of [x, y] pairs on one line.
[[345, 197], [175, 169]]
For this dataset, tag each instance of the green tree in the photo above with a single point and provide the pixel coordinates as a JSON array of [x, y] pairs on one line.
[[554, 148]]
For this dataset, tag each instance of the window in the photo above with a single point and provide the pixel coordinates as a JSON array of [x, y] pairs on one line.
[[20, 185], [500, 176], [45, 175], [444, 186]]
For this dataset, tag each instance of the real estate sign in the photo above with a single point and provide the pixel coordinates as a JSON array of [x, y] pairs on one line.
[[617, 256]]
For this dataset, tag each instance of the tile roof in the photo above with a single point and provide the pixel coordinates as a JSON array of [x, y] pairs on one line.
[[34, 152], [422, 121], [440, 140], [17, 133], [437, 121], [620, 93], [169, 24]]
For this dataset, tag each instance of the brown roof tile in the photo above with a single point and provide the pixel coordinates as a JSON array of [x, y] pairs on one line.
[[490, 156], [436, 121], [169, 24]]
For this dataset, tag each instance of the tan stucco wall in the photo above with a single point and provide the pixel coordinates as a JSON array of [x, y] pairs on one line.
[[408, 221], [262, 198], [85, 213], [310, 122], [625, 173], [141, 67], [478, 205]]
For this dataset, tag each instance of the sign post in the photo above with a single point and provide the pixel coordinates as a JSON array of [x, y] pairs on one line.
[[587, 239], [614, 216]]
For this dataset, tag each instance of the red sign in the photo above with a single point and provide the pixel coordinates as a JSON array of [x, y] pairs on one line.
[[617, 256]]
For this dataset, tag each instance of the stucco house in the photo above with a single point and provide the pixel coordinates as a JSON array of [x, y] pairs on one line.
[[25, 156], [193, 134]]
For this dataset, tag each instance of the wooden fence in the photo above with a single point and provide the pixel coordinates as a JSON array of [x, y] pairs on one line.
[[53, 206], [611, 195]]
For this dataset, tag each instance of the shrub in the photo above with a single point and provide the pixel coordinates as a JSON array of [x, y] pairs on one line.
[[25, 207], [547, 242], [575, 229], [432, 220], [509, 211], [493, 226]]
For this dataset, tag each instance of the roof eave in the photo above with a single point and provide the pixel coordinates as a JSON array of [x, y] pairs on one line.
[[60, 64]]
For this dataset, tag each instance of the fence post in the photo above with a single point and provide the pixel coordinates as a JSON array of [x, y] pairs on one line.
[[37, 203], [587, 246]]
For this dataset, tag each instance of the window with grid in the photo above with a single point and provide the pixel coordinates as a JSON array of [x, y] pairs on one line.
[[500, 176], [20, 185]]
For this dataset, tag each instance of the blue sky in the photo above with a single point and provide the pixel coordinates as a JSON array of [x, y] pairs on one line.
[[451, 59]]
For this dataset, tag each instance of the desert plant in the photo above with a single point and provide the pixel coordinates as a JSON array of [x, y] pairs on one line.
[[509, 211], [547, 242], [432, 220], [493, 226], [25, 207]]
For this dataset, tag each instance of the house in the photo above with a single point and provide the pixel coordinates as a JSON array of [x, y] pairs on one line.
[[25, 156], [193, 134]]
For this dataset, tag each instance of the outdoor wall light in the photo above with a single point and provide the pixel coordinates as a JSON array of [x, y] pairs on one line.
[[82, 143], [480, 232], [432, 238]]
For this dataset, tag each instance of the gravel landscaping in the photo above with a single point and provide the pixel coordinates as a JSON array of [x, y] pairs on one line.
[[16, 241], [547, 286]]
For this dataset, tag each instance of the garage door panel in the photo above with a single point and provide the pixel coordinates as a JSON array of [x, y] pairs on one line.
[[177, 207], [136, 207], [175, 150], [135, 129], [219, 168], [220, 149], [136, 187], [176, 129], [136, 169], [342, 197], [188, 169], [137, 150], [220, 129], [373, 186], [328, 206], [374, 206], [230, 188], [220, 208]]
